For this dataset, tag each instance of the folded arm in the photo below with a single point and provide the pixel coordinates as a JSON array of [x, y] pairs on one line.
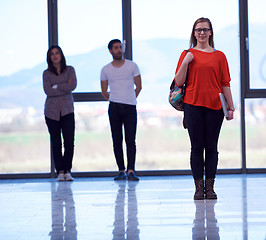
[[71, 84], [49, 89]]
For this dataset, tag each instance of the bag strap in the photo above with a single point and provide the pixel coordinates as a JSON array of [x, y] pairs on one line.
[[184, 85], [187, 69]]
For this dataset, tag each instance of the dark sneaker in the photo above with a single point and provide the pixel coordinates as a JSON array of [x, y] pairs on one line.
[[132, 177], [121, 176]]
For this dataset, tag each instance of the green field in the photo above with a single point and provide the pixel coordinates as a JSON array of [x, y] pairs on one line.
[[157, 149]]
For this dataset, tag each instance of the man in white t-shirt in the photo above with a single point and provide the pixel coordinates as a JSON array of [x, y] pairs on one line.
[[124, 81]]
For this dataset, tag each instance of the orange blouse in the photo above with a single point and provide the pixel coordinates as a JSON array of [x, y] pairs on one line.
[[208, 73]]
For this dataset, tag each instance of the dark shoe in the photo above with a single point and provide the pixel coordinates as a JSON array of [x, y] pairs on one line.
[[121, 176], [132, 177], [199, 193], [210, 194]]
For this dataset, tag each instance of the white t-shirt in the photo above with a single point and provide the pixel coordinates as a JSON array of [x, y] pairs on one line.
[[121, 82]]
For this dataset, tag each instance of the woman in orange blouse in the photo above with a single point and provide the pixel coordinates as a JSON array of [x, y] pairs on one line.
[[208, 75]]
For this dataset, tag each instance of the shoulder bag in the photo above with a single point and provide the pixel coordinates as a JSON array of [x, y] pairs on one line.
[[176, 95]]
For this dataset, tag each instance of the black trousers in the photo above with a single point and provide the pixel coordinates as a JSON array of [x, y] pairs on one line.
[[66, 127], [204, 127], [123, 115]]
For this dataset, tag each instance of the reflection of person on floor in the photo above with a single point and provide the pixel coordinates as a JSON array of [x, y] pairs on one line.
[[131, 232], [63, 227], [205, 223]]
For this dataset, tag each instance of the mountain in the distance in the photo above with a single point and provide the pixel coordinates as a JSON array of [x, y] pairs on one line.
[[157, 60]]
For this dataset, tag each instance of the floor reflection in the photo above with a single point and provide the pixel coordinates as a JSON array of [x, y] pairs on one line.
[[63, 212], [157, 208], [205, 223], [126, 196]]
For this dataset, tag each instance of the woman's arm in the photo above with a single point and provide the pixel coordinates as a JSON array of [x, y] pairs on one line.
[[181, 74], [49, 89], [71, 83], [228, 96]]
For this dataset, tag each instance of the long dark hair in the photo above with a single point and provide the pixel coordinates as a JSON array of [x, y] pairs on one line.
[[193, 40], [51, 67]]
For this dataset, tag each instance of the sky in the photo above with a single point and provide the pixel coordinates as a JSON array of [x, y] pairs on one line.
[[84, 25]]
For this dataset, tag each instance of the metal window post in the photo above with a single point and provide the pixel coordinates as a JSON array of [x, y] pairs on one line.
[[244, 73], [52, 22], [52, 40], [127, 29]]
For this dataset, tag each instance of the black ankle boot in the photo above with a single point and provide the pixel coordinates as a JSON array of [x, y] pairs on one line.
[[199, 193], [210, 194]]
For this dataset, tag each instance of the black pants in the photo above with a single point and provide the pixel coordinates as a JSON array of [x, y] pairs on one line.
[[204, 127], [119, 115], [66, 126]]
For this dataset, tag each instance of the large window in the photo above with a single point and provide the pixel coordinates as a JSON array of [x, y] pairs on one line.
[[255, 133], [160, 33], [23, 136], [256, 108], [257, 51], [84, 30], [93, 142]]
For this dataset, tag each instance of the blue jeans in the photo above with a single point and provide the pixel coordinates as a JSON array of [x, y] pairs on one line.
[[66, 126], [123, 115], [204, 125]]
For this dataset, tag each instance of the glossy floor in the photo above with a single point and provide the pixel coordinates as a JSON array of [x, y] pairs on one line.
[[154, 208]]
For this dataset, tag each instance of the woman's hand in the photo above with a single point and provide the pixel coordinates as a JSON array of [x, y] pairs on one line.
[[228, 96], [181, 74], [231, 115], [188, 58]]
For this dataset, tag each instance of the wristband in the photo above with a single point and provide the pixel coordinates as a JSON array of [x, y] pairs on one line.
[[231, 108]]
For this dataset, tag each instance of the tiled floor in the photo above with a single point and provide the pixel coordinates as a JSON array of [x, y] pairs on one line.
[[155, 208]]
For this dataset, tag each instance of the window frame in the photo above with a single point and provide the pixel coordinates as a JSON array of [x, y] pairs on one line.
[[245, 91]]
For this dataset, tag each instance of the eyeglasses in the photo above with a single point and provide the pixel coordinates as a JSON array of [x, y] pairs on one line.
[[199, 30]]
